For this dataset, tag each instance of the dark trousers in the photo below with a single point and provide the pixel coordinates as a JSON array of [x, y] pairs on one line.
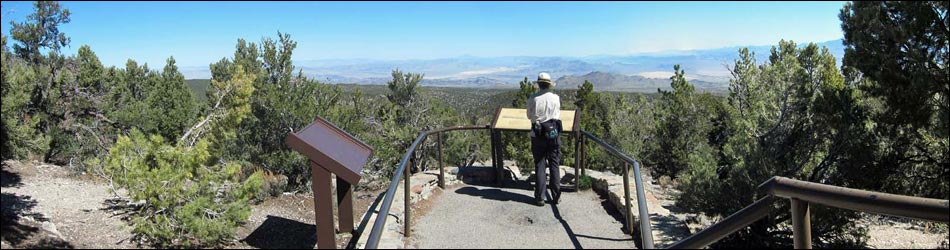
[[547, 154]]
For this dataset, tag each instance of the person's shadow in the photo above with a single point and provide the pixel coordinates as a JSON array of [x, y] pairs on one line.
[[567, 227]]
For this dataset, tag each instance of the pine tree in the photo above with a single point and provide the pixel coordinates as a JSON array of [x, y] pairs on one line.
[[172, 106], [682, 128], [41, 30]]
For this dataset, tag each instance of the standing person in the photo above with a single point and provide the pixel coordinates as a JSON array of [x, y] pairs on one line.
[[544, 111]]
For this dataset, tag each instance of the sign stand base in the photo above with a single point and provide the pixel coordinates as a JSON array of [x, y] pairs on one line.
[[323, 202]]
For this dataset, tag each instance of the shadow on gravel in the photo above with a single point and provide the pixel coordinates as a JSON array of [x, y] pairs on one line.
[[567, 227], [619, 216], [14, 206], [281, 233], [9, 179], [20, 226], [495, 194]]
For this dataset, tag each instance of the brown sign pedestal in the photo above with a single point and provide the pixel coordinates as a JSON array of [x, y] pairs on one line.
[[331, 151]]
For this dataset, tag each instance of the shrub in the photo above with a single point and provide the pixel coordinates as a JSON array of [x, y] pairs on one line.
[[584, 182], [272, 184], [190, 199]]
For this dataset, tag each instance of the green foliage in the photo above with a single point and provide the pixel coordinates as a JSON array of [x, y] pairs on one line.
[[190, 198], [22, 134], [193, 197], [172, 107], [794, 116], [681, 130], [897, 53], [903, 46], [41, 30], [404, 94], [600, 116], [84, 133], [584, 182], [628, 118], [5, 146], [283, 102], [199, 90], [126, 100], [40, 33]]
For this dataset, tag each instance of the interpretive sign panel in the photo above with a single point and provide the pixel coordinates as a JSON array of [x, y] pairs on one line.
[[517, 119], [332, 148]]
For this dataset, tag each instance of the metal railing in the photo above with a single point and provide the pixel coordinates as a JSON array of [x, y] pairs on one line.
[[374, 236], [801, 193], [402, 170], [646, 232]]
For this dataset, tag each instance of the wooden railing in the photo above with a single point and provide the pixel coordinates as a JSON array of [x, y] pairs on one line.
[[803, 193]]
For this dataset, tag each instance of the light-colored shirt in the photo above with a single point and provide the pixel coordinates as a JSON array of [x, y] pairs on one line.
[[543, 106]]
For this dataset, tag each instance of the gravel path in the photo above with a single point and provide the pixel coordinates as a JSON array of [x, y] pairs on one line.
[[46, 207], [488, 217], [46, 203]]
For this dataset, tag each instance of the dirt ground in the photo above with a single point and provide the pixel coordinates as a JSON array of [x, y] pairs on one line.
[[892, 232], [44, 206]]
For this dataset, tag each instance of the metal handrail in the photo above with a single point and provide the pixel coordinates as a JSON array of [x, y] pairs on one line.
[[802, 192], [646, 232], [374, 236]]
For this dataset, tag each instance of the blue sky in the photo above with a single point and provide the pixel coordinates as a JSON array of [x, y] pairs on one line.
[[199, 33]]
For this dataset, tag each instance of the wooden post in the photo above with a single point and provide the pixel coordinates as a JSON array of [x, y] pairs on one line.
[[499, 163], [441, 169], [801, 224], [344, 199], [626, 195], [577, 160], [323, 202]]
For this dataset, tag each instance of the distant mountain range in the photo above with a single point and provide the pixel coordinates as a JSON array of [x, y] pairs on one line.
[[639, 72]]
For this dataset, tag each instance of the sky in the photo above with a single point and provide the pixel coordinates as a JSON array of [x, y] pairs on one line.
[[199, 33]]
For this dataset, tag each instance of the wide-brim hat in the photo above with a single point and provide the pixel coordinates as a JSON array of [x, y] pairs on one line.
[[545, 78]]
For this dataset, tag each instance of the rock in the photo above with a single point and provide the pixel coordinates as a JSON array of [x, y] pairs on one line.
[[417, 189], [453, 171], [422, 179], [567, 175], [427, 191], [482, 174], [515, 171], [51, 228]]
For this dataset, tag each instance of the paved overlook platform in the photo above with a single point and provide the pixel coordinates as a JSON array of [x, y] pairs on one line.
[[474, 216], [474, 213]]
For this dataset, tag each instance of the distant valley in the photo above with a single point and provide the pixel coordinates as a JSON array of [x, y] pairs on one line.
[[644, 72]]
